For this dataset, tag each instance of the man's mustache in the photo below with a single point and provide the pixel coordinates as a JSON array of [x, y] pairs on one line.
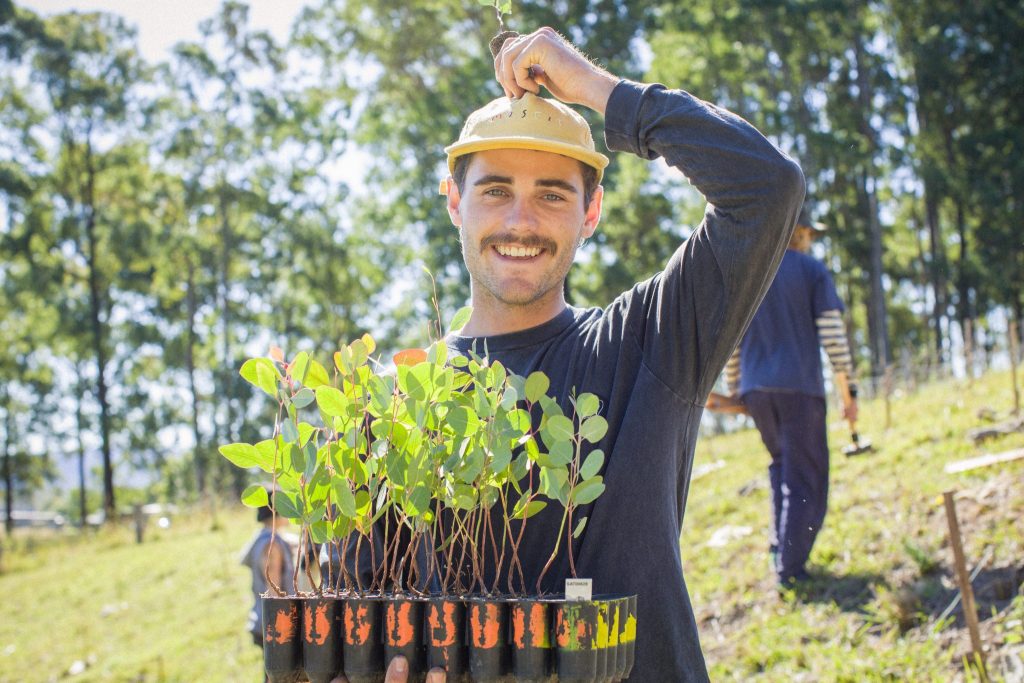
[[529, 241]]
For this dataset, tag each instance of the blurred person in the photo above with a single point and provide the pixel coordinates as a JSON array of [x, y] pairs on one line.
[[268, 555], [776, 372]]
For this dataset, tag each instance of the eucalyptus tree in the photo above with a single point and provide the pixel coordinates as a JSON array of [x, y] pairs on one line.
[[83, 69]]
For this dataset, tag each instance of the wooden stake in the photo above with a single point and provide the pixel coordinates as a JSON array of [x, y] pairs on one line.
[[966, 592]]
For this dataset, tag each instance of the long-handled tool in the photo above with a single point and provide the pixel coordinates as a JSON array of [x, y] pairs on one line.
[[859, 446]]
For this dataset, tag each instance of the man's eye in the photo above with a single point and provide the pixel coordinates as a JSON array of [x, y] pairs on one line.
[[552, 197], [495, 192]]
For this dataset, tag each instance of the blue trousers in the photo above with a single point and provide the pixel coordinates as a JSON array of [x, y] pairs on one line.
[[792, 427]]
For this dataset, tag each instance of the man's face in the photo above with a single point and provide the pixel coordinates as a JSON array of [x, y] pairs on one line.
[[521, 218]]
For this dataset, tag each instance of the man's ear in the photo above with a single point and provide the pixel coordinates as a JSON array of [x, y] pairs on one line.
[[593, 215], [449, 188]]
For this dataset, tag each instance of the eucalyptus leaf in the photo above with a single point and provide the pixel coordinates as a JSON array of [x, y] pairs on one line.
[[261, 373], [594, 428], [255, 496], [320, 531], [288, 432], [331, 401], [587, 491], [287, 505], [557, 429], [536, 386], [587, 405], [302, 398], [463, 315], [579, 527], [592, 465], [245, 455]]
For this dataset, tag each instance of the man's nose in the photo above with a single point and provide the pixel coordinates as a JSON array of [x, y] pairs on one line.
[[522, 216]]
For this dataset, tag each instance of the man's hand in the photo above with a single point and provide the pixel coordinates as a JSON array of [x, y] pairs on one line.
[[545, 58], [398, 672], [850, 410], [721, 403]]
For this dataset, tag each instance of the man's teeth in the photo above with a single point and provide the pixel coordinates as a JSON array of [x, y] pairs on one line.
[[519, 252]]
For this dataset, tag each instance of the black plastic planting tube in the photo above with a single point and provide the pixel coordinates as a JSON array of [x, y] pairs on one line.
[[476, 640], [282, 641]]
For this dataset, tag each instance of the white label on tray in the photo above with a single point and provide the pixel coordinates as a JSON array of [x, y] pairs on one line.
[[579, 589]]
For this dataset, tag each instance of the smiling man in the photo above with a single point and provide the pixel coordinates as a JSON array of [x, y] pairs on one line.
[[524, 191]]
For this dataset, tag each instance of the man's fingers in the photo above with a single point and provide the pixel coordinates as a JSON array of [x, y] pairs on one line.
[[339, 679], [398, 671], [436, 676], [505, 68]]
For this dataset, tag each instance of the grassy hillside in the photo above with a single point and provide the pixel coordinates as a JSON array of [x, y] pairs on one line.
[[101, 608]]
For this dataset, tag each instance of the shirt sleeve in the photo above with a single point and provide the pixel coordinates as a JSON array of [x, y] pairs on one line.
[[689, 318]]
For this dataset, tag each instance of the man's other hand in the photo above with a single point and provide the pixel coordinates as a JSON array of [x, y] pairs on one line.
[[398, 672], [545, 58]]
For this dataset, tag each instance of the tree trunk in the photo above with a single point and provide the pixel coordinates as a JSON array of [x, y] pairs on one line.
[[937, 270], [878, 326], [227, 372], [198, 454], [8, 469], [83, 511], [95, 308]]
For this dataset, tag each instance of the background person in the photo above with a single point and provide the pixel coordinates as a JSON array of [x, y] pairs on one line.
[[777, 372], [267, 555]]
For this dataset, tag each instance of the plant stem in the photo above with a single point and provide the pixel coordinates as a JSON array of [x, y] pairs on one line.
[[554, 553]]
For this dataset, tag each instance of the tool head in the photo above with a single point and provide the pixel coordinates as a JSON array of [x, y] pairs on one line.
[[858, 447]]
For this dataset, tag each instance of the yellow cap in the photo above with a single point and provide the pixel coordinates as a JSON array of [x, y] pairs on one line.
[[529, 122]]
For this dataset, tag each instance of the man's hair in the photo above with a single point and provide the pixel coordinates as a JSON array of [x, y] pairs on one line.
[[589, 177]]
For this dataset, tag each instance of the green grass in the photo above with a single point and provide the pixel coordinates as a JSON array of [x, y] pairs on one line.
[[882, 563], [173, 608]]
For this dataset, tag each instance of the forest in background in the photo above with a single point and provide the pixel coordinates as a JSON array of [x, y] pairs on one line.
[[161, 222]]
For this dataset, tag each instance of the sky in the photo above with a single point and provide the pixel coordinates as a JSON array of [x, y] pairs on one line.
[[162, 23]]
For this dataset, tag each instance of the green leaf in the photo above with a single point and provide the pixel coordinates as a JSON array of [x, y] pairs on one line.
[[288, 432], [267, 449], [561, 453], [419, 501], [558, 429], [302, 398], [331, 401], [536, 386], [255, 496], [316, 376], [519, 419], [587, 405], [461, 316], [592, 465], [245, 455], [594, 428], [343, 497], [320, 531], [528, 510], [579, 527], [587, 491], [553, 483], [509, 398], [261, 373], [287, 505], [463, 421], [306, 430], [299, 366]]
